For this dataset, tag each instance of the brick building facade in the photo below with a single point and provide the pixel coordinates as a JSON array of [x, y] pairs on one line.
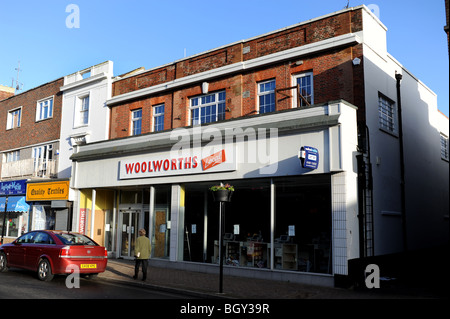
[[30, 128], [325, 90], [327, 85], [239, 84]]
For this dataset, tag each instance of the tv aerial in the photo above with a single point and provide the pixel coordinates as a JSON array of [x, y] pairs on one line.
[[19, 85]]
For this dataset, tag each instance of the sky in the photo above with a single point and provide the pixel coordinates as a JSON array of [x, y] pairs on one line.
[[46, 38]]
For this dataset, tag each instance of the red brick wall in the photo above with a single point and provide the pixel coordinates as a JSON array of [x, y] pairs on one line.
[[5, 95], [31, 132], [335, 77]]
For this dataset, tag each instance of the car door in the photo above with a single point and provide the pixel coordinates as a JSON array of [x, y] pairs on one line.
[[35, 250], [16, 253]]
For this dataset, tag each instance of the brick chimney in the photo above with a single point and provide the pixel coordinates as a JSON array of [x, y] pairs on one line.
[[6, 92]]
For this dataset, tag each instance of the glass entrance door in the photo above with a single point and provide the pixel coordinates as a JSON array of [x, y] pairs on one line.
[[129, 232]]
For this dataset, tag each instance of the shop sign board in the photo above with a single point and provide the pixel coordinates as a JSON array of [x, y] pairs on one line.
[[169, 164], [48, 191], [13, 187], [82, 220], [309, 157]]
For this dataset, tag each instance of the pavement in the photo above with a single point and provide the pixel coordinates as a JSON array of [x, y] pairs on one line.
[[206, 286]]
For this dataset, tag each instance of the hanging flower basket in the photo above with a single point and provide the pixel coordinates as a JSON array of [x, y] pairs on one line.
[[222, 193]]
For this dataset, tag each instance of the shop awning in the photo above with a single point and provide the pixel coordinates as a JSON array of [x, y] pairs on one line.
[[15, 204]]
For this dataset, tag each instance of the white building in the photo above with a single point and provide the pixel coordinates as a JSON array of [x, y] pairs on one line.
[[85, 116]]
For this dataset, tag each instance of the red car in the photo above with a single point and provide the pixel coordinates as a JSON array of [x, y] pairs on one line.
[[51, 252]]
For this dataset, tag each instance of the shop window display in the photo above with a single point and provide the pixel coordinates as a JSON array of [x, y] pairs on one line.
[[247, 226], [16, 224], [302, 224], [43, 217]]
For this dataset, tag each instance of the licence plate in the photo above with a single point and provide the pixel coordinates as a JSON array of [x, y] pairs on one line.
[[88, 266]]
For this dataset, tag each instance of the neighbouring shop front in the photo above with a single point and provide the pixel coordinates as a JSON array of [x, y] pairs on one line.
[[49, 205], [13, 210], [285, 214]]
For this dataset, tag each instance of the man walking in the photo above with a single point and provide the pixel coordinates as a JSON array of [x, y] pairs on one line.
[[142, 251]]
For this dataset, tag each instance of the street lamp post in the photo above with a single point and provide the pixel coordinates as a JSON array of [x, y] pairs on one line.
[[221, 194]]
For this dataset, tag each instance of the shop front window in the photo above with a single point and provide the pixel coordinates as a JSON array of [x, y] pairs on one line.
[[302, 227], [43, 217], [246, 227], [16, 224]]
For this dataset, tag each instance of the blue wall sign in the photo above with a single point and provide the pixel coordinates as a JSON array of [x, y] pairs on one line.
[[309, 157], [13, 187]]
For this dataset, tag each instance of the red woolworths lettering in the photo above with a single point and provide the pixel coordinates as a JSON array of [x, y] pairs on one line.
[[157, 165], [129, 168], [213, 160]]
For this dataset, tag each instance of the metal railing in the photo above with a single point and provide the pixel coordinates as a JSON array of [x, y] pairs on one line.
[[40, 168]]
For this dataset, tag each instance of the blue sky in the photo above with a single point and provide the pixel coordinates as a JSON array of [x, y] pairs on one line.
[[150, 33]]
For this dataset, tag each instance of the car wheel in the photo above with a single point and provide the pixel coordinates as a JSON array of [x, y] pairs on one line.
[[3, 266], [45, 270]]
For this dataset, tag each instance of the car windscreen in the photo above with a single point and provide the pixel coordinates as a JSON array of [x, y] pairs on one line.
[[75, 239]]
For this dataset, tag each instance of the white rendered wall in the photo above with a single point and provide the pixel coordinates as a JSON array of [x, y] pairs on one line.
[[426, 174], [98, 87]]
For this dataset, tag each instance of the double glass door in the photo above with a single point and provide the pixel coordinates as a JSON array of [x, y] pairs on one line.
[[130, 225]]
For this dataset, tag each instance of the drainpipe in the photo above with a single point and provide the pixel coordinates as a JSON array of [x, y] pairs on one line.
[[398, 77]]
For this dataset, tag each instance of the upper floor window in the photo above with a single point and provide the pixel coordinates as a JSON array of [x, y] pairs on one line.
[[136, 122], [12, 156], [14, 118], [266, 96], [158, 118], [44, 109], [305, 89], [386, 114], [208, 108], [444, 147], [83, 115]]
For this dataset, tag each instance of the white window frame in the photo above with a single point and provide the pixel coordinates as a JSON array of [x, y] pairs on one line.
[[10, 120], [264, 93], [197, 103], [13, 156], [41, 156], [158, 116], [135, 120], [294, 91], [444, 146], [80, 114], [39, 109], [387, 115]]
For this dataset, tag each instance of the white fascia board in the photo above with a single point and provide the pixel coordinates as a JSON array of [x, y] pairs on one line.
[[297, 52], [88, 80]]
